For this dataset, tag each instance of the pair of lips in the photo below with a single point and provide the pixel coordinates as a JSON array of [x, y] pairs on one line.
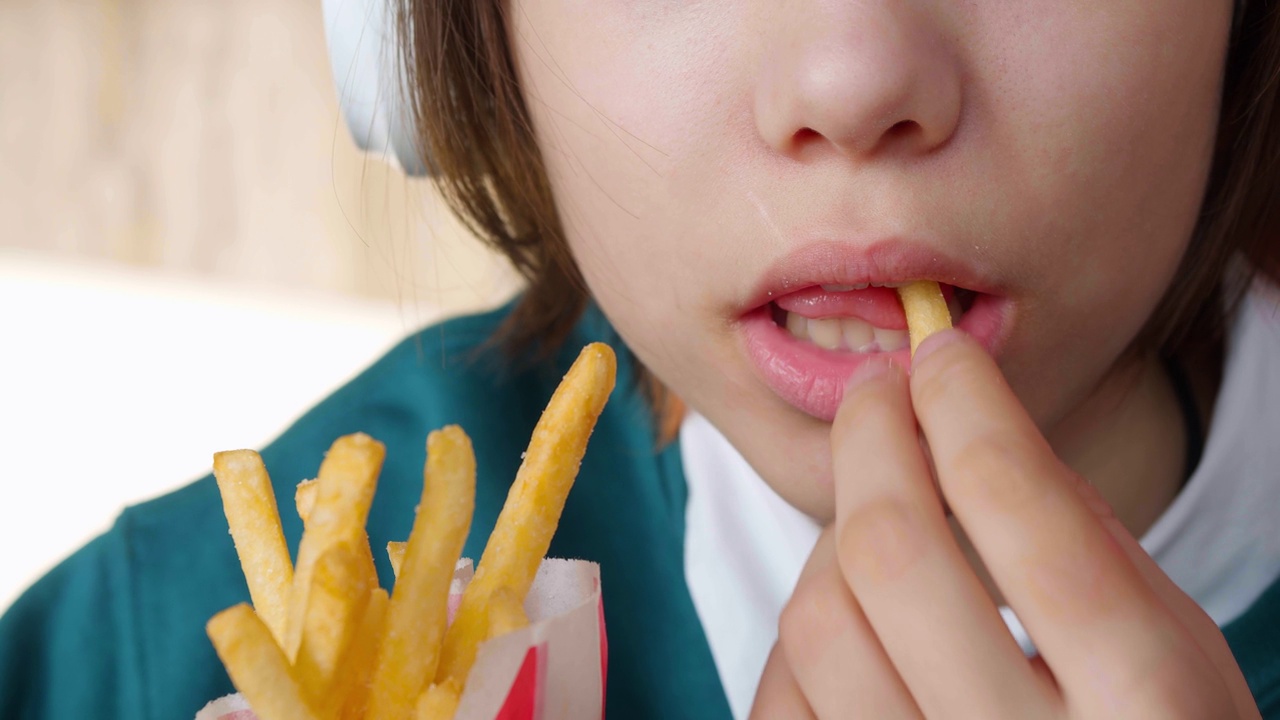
[[855, 319], [877, 305], [806, 342]]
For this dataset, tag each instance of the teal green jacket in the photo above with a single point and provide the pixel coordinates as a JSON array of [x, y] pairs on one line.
[[117, 630]]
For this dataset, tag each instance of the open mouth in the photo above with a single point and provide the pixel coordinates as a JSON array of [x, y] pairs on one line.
[[864, 318], [806, 338]]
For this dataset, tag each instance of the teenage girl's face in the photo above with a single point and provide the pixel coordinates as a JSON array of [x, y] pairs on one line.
[[737, 179]]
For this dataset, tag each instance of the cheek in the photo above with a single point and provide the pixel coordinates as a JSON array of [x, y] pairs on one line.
[[1103, 124], [1109, 118], [620, 107], [1078, 170]]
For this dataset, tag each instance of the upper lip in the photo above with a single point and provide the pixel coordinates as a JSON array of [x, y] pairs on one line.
[[834, 262]]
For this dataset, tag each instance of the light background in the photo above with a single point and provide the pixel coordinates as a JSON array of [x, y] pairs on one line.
[[193, 252]]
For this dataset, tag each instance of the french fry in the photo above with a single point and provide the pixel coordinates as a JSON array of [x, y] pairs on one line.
[[347, 480], [418, 613], [339, 590], [304, 498], [506, 613], [257, 666], [350, 690], [522, 534], [439, 701], [250, 505], [926, 310], [366, 561], [395, 553]]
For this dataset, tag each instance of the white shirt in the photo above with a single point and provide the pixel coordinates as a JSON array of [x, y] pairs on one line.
[[745, 546]]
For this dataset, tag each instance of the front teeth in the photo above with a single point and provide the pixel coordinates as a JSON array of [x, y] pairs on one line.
[[798, 326], [858, 335], [845, 334], [826, 333], [890, 340]]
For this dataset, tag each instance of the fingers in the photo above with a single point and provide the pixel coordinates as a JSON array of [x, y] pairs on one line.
[[930, 612], [1196, 621], [778, 695], [1097, 622], [832, 652]]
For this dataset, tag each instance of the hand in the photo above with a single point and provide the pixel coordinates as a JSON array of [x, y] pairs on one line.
[[888, 619]]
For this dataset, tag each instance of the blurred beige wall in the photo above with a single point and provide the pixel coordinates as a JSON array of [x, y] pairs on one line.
[[203, 136]]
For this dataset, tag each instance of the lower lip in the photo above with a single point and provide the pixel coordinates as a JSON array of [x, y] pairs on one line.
[[811, 379]]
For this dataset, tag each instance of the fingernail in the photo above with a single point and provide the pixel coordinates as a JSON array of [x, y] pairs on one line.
[[934, 342], [874, 367]]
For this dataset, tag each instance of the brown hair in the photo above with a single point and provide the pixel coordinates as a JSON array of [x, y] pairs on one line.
[[475, 129]]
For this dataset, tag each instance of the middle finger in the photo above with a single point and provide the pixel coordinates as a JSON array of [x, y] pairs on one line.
[[936, 622], [831, 650]]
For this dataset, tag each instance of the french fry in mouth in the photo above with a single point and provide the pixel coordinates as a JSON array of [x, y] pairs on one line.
[[926, 310]]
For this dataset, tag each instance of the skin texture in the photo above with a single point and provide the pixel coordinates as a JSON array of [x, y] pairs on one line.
[[863, 634], [1061, 150]]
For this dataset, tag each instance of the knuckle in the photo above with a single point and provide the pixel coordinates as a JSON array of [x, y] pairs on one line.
[[806, 623], [1178, 696], [1171, 680], [879, 542], [993, 470]]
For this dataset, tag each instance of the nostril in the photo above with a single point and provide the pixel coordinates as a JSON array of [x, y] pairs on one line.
[[902, 129], [901, 132], [804, 135]]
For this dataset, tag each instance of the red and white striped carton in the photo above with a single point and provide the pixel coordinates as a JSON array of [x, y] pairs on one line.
[[553, 669]]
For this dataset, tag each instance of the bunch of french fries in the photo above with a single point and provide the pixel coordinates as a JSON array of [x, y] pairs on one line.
[[322, 640]]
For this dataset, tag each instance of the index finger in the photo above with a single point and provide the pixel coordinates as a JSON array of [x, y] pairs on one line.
[[1095, 620]]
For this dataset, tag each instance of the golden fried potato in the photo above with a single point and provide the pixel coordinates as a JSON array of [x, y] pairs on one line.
[[532, 510], [250, 505], [926, 310], [257, 666], [417, 616]]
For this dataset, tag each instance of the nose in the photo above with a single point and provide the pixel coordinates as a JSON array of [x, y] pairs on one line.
[[865, 77]]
